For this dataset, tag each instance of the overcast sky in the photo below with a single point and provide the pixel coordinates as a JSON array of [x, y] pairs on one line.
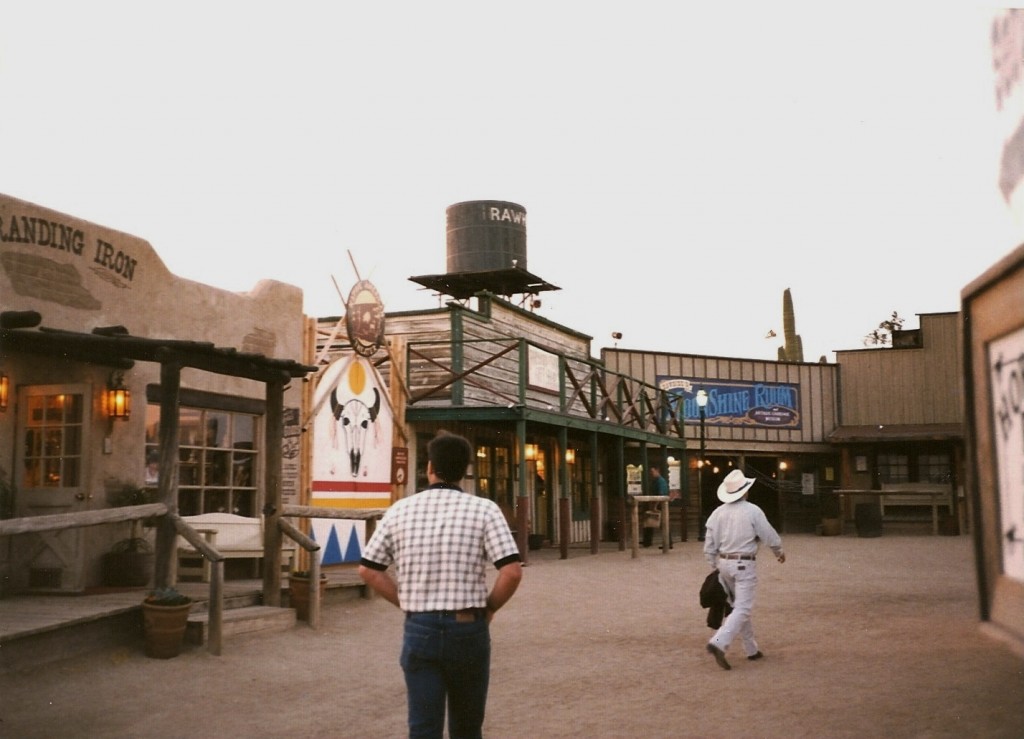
[[681, 166]]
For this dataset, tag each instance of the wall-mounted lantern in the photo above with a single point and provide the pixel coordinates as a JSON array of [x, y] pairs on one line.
[[531, 452], [118, 397], [5, 389], [570, 456]]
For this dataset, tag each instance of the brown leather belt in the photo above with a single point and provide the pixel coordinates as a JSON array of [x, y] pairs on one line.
[[750, 557], [464, 615]]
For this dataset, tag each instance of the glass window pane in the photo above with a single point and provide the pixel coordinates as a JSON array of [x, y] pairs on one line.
[[51, 472], [217, 465], [52, 442], [243, 467], [33, 443], [244, 432], [32, 473], [189, 426], [71, 472], [215, 501], [73, 441], [217, 429], [188, 467], [244, 504], [188, 503], [151, 475], [54, 411], [72, 408], [152, 423]]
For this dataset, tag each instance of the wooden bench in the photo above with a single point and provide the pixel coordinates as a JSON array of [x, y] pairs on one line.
[[917, 494], [236, 537]]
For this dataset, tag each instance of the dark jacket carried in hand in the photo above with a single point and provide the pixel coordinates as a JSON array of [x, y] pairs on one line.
[[715, 599]]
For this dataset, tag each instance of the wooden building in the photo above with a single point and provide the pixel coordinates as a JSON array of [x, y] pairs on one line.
[[993, 331], [880, 419], [554, 430], [770, 419], [902, 414]]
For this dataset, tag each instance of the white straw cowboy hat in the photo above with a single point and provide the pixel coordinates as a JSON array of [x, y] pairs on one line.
[[734, 486]]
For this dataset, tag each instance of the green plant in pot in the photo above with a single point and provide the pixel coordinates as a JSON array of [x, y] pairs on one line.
[[165, 618], [129, 562], [167, 597]]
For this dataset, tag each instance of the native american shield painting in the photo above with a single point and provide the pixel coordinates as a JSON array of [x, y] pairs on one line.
[[352, 426]]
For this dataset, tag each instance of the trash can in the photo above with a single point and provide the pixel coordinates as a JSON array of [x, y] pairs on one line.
[[868, 518]]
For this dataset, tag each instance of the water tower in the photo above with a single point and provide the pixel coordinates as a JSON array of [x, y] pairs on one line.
[[486, 251]]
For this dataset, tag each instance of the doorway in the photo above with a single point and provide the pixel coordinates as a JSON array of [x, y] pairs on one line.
[[52, 432]]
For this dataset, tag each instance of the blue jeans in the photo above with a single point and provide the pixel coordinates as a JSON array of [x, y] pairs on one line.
[[446, 661]]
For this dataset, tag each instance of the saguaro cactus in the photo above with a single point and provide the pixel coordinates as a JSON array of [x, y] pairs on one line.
[[793, 349]]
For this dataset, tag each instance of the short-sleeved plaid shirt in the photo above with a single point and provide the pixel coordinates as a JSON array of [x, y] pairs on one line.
[[441, 541]]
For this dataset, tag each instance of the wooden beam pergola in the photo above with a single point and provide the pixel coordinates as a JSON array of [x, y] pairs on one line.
[[113, 346]]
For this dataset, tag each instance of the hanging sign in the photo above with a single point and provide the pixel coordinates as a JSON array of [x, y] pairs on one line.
[[364, 319]]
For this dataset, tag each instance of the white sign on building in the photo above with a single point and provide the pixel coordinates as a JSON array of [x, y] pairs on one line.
[[1006, 363]]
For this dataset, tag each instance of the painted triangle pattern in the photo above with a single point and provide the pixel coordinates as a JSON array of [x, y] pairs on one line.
[[332, 550], [353, 552], [332, 554]]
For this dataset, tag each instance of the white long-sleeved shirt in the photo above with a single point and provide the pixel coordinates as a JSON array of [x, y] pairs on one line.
[[735, 528]]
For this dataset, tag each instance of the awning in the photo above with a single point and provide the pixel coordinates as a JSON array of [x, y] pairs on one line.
[[897, 432], [112, 346]]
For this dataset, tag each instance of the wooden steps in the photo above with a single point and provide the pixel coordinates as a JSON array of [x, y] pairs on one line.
[[239, 621]]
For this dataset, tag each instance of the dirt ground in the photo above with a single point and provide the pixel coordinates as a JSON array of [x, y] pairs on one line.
[[863, 637]]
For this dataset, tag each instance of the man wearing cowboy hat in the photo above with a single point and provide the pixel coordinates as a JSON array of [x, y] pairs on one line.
[[730, 546]]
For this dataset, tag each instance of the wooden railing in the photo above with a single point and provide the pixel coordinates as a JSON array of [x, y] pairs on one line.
[[287, 528], [81, 519], [370, 515], [495, 372]]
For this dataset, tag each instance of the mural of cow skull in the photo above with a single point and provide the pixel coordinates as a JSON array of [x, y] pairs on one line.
[[355, 418]]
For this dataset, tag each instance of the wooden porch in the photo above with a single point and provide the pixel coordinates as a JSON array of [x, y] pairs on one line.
[[37, 629]]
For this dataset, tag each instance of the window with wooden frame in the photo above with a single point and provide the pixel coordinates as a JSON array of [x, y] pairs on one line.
[[53, 441], [218, 459]]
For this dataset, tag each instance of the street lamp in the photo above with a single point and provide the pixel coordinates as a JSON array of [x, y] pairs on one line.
[[702, 401]]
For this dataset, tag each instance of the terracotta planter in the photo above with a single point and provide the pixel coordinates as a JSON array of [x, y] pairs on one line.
[[164, 629], [298, 595]]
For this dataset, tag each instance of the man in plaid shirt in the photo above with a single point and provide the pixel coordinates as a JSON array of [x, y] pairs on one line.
[[441, 541]]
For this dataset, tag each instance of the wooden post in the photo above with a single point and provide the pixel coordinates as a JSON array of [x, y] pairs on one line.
[[522, 493], [167, 486], [634, 520], [620, 491], [595, 499], [399, 395], [564, 525], [314, 590], [634, 526], [564, 500], [666, 532], [215, 622], [274, 435]]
